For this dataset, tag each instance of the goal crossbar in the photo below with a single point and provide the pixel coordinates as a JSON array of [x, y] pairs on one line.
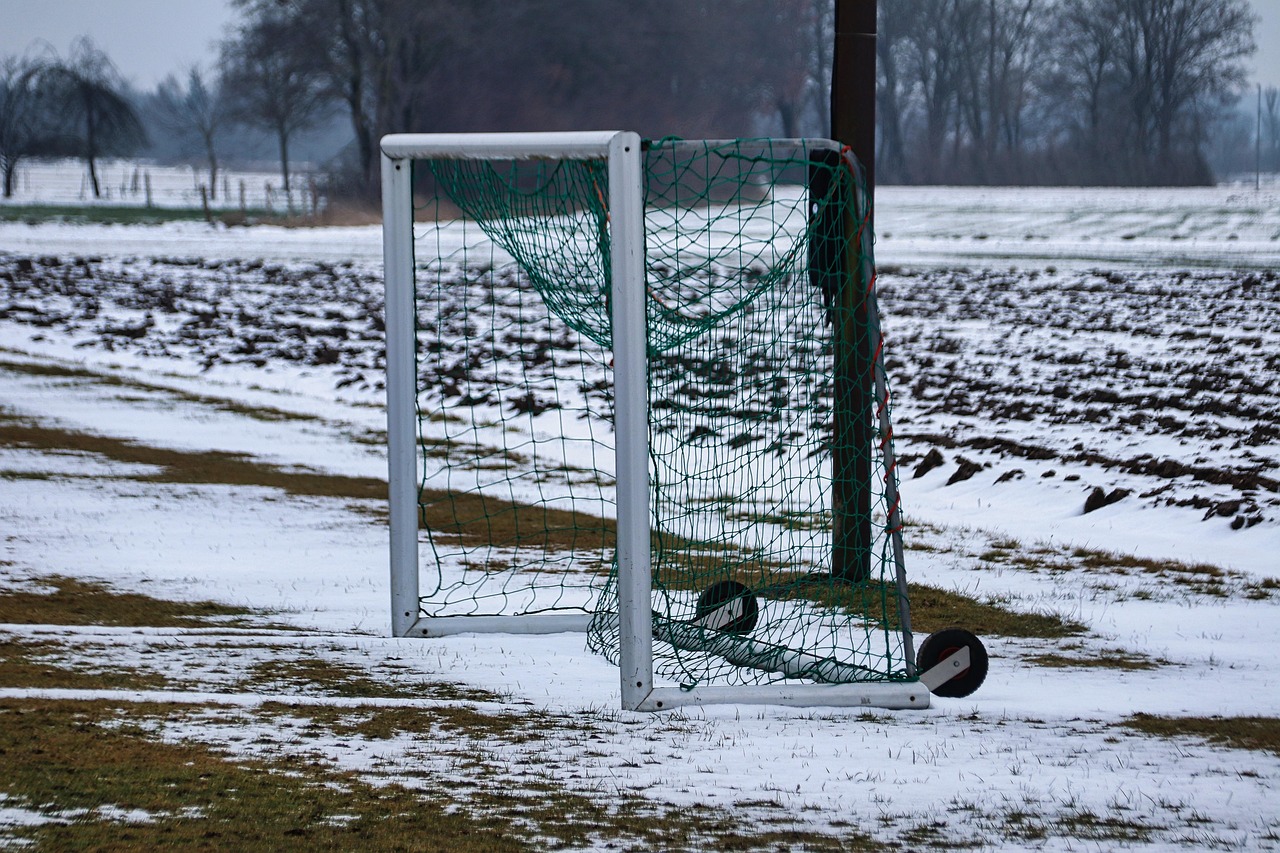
[[587, 145]]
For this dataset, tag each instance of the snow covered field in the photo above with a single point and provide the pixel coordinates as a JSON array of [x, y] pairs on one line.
[[1046, 342], [1230, 226], [128, 183]]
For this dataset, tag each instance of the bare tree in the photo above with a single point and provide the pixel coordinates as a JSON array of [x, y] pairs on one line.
[[100, 120], [345, 42], [271, 87], [197, 109], [893, 90], [354, 52], [1089, 46], [821, 22], [1013, 47], [970, 90], [21, 119], [1179, 59], [375, 58], [934, 51]]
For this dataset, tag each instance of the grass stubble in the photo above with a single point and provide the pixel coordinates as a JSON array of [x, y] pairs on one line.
[[103, 775], [1250, 732]]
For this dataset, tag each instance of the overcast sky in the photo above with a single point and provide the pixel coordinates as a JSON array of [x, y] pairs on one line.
[[148, 39]]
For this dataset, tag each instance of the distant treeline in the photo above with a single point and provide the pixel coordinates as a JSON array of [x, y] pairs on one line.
[[970, 91], [1058, 91]]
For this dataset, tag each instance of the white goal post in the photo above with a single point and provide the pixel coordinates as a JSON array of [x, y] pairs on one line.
[[622, 152], [622, 155]]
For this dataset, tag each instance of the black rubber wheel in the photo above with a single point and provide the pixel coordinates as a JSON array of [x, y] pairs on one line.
[[941, 645], [727, 593]]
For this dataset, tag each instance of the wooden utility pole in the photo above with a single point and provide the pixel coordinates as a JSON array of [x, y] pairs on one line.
[[853, 81], [853, 123]]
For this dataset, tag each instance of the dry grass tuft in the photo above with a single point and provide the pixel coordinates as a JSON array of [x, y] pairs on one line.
[[1259, 733], [91, 761], [1120, 660], [85, 764], [69, 601], [44, 665]]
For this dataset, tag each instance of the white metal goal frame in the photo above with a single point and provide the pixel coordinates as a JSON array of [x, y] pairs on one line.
[[622, 152]]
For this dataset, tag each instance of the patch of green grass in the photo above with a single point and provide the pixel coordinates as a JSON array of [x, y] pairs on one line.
[[25, 475], [469, 454], [1257, 733], [1027, 823], [1112, 561], [69, 601], [1198, 578], [511, 726], [1024, 826], [932, 608], [522, 793], [475, 519], [180, 466], [1263, 589], [786, 520], [1085, 825], [478, 519]]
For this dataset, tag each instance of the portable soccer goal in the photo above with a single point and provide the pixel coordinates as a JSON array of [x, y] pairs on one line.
[[636, 388]]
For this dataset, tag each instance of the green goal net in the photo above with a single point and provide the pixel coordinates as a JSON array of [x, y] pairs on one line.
[[774, 544]]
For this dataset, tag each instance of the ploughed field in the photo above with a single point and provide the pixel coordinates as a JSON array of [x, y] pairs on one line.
[[1159, 385], [1164, 382]]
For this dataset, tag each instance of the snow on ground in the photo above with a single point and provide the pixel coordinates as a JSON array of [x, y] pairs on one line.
[[1035, 740], [1228, 226], [129, 183], [1223, 226]]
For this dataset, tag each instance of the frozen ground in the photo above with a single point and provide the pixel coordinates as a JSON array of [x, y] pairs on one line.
[[1146, 366]]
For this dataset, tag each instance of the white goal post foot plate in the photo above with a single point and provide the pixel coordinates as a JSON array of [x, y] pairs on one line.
[[892, 696]]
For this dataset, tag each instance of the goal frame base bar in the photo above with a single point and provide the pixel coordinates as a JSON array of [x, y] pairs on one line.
[[901, 696], [548, 623], [896, 696]]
